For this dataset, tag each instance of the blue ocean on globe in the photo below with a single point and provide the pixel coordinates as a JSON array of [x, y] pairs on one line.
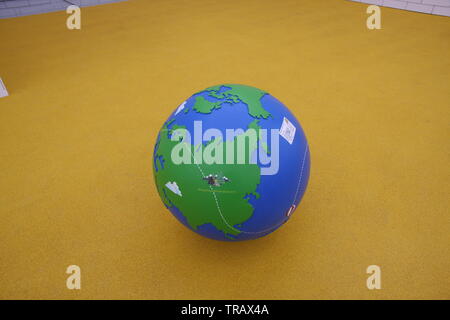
[[276, 196]]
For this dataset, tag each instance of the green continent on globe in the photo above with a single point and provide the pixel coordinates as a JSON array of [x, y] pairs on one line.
[[234, 93], [185, 187]]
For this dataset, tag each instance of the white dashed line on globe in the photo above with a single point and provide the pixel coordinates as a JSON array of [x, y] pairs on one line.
[[252, 232]]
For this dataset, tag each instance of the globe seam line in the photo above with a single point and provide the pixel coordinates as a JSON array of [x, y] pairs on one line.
[[253, 232], [301, 174], [220, 211], [298, 187], [215, 198]]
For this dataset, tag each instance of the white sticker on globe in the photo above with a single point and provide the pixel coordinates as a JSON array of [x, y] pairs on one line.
[[3, 91], [180, 107], [287, 130], [172, 186]]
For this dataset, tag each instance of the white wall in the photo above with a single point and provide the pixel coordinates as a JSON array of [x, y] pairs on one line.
[[17, 8], [439, 7]]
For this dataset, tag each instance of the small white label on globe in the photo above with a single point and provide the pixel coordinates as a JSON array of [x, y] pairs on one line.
[[172, 186], [3, 91], [287, 130], [180, 107]]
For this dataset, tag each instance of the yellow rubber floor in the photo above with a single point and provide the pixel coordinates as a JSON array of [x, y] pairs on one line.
[[85, 106]]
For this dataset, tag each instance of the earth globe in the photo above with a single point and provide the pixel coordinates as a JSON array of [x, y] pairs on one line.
[[231, 163]]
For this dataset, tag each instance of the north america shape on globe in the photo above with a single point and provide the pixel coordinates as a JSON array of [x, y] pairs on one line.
[[236, 198]]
